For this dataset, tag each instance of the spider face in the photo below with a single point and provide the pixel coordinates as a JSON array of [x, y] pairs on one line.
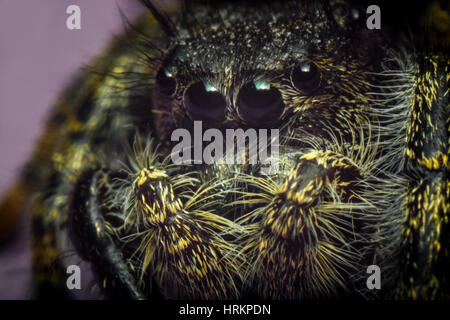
[[262, 66], [302, 231], [353, 187]]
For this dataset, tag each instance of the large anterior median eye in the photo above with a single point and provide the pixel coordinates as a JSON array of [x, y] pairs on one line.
[[306, 77], [204, 102], [166, 82], [259, 103]]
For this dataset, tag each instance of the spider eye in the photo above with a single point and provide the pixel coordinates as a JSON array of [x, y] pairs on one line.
[[339, 12], [204, 102], [355, 14], [165, 81], [259, 102], [306, 77]]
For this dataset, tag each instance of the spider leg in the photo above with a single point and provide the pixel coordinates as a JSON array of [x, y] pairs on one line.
[[184, 248], [309, 236], [425, 253], [87, 229]]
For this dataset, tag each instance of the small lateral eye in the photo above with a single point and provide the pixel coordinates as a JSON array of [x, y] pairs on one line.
[[259, 103], [306, 77], [165, 82], [354, 13], [339, 12], [203, 102]]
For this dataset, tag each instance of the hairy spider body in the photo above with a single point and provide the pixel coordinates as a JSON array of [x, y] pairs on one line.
[[362, 175]]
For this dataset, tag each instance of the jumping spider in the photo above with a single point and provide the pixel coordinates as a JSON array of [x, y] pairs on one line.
[[363, 118]]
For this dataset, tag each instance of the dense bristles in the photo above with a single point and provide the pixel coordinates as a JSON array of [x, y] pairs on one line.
[[362, 174]]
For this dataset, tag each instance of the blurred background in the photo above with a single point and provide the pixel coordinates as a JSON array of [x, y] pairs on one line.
[[38, 58]]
